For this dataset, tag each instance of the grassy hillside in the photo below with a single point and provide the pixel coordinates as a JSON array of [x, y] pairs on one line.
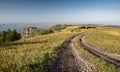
[[36, 54], [59, 27], [107, 39], [99, 63], [32, 54]]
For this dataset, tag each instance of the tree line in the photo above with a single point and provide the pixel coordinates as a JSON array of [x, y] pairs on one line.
[[9, 36]]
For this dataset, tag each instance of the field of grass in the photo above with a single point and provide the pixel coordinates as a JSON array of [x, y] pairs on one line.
[[106, 39], [36, 54], [33, 54], [99, 63]]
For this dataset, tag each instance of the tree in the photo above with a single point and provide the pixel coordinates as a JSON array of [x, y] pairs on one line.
[[9, 35], [13, 35], [3, 36]]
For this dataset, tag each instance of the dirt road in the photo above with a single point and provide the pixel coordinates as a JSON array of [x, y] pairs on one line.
[[69, 60], [111, 58]]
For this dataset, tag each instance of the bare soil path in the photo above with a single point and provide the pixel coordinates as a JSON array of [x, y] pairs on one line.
[[69, 60], [111, 58]]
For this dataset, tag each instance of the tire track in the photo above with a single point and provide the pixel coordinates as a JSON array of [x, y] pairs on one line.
[[69, 60], [100, 54]]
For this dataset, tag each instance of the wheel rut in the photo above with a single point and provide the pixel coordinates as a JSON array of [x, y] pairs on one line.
[[69, 60], [104, 55]]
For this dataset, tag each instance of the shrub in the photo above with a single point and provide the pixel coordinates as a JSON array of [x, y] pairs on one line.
[[86, 27], [43, 32]]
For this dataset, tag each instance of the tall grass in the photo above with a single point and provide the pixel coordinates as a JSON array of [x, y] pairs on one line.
[[99, 63], [107, 39], [33, 54]]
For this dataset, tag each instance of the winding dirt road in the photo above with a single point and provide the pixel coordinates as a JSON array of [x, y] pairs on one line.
[[111, 58], [69, 60]]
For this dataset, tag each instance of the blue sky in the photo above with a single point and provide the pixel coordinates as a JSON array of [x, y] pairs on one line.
[[59, 11]]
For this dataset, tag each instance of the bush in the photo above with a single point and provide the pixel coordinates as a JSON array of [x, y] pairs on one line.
[[86, 27], [43, 32], [90, 27]]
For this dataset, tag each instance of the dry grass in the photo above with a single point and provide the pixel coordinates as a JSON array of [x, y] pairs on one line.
[[33, 54], [107, 39], [37, 53], [99, 63]]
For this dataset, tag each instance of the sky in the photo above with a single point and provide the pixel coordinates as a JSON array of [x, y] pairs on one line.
[[60, 11]]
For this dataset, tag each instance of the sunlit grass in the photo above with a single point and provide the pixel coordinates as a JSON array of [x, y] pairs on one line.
[[107, 39], [36, 54], [32, 54], [99, 63]]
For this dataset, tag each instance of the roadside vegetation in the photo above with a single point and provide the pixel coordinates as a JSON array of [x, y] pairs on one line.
[[34, 54], [106, 39], [99, 63]]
